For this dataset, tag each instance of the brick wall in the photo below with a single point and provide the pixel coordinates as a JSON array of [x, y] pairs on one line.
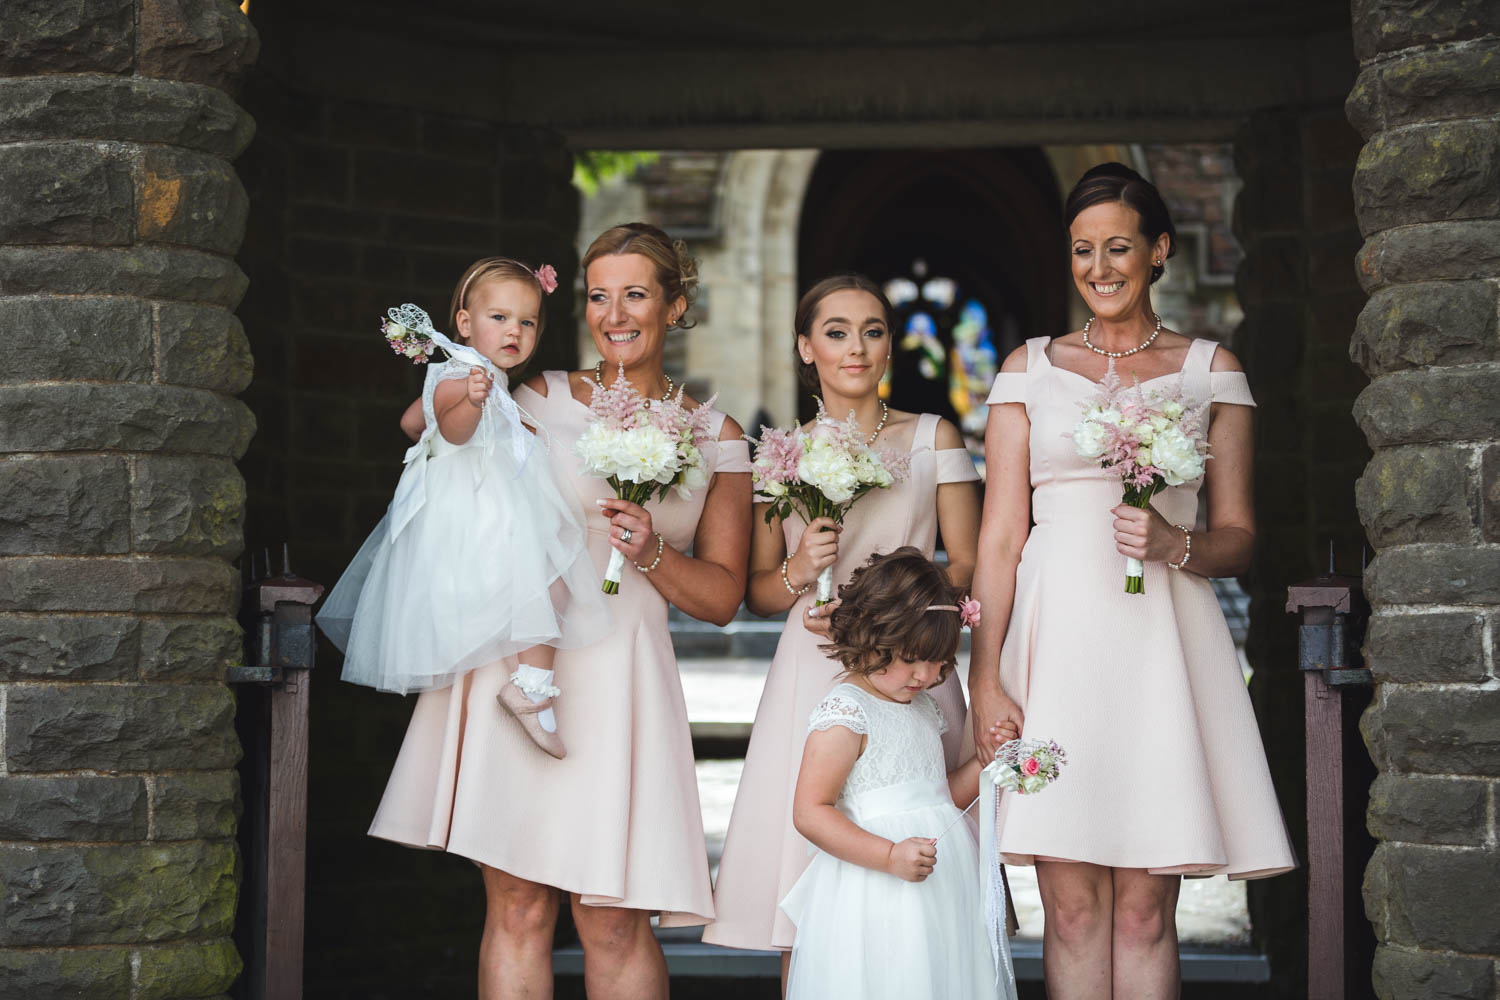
[[356, 207], [1294, 218]]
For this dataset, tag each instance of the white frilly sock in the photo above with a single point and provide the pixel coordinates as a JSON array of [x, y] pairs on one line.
[[536, 684]]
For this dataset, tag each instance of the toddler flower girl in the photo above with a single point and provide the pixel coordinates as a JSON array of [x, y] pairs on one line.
[[479, 557], [890, 907]]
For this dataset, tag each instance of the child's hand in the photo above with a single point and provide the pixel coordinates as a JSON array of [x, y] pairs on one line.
[[912, 860], [479, 386], [1004, 731]]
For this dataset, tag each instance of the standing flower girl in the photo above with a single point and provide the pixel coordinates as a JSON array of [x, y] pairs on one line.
[[479, 557], [890, 907]]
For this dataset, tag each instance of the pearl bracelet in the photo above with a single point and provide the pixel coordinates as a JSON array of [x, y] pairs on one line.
[[660, 546], [1187, 544], [788, 583]]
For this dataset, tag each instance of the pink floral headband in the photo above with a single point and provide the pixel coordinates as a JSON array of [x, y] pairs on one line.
[[968, 611], [546, 276]]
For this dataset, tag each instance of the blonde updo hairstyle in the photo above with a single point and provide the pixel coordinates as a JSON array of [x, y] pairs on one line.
[[676, 269], [494, 269]]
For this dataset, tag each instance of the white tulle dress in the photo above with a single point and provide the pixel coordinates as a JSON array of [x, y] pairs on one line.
[[866, 935], [477, 558]]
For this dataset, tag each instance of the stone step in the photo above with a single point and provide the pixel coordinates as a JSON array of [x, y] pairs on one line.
[[687, 956]]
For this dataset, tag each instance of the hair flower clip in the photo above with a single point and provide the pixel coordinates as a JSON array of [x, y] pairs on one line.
[[967, 609], [546, 276]]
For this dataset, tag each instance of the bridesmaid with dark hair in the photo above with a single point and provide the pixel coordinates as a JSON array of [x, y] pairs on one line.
[[1166, 774], [842, 339]]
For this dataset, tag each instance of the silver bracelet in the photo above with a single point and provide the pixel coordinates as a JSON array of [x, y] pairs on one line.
[[1187, 544]]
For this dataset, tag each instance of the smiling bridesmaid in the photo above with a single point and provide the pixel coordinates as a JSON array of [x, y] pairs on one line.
[[842, 343], [1166, 776]]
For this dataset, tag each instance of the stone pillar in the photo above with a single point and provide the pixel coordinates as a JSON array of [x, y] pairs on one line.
[[1428, 196], [1295, 221], [120, 504]]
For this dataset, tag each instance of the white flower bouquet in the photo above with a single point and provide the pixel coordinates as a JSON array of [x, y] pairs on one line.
[[821, 473], [1151, 439], [643, 448]]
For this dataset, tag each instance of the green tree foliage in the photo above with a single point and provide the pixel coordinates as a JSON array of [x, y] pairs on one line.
[[593, 168]]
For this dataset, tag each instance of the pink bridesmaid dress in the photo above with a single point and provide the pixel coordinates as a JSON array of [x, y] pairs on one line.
[[1165, 770], [617, 821], [763, 854]]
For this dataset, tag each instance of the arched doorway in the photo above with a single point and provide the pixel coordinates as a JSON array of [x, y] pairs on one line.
[[948, 230]]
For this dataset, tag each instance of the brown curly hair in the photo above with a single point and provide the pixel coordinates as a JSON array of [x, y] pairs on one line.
[[884, 614]]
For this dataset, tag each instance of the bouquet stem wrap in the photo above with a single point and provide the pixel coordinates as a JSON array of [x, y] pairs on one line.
[[825, 585], [612, 573], [1135, 570]]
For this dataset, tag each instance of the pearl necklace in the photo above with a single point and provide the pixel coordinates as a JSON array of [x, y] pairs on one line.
[[1119, 354], [599, 380], [885, 411]]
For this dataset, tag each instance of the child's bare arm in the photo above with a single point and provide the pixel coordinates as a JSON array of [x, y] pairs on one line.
[[827, 757], [458, 404], [963, 783], [413, 421]]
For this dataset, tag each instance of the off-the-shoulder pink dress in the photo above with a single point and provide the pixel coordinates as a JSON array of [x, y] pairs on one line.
[[617, 821], [1165, 770], [763, 854]]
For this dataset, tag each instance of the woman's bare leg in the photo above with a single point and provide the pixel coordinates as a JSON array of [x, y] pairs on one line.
[[1078, 900], [515, 953], [1146, 963], [622, 959]]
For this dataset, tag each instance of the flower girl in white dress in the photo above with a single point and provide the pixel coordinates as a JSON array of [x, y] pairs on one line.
[[479, 557], [890, 907]]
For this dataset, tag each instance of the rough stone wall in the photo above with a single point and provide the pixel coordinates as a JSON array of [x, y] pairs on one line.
[[355, 207], [1295, 221], [1428, 196], [120, 504]]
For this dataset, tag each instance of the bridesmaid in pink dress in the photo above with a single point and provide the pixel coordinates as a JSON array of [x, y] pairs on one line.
[[843, 343], [616, 824], [1166, 774]]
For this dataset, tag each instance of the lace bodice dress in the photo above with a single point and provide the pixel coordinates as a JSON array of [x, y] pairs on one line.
[[869, 935]]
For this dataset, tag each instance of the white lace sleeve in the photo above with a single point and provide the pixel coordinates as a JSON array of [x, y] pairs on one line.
[[838, 709], [437, 372]]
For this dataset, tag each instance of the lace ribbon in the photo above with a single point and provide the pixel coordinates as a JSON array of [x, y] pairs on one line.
[[994, 888]]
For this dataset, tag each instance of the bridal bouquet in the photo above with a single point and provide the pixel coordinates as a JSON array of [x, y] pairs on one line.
[[1151, 439], [406, 339], [643, 448], [1026, 766], [821, 473]]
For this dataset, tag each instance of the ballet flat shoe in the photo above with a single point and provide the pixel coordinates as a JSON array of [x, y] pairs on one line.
[[515, 701]]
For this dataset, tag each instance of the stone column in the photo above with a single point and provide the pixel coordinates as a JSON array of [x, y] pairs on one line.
[[1428, 195], [120, 505]]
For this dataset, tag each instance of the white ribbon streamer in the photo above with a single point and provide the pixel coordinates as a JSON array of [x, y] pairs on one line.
[[994, 887]]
